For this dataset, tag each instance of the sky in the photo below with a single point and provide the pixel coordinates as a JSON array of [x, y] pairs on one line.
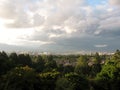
[[60, 25]]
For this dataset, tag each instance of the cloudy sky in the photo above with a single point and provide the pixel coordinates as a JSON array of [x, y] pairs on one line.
[[60, 25]]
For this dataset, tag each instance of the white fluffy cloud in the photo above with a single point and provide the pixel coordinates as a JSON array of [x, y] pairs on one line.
[[101, 46], [62, 22], [114, 2]]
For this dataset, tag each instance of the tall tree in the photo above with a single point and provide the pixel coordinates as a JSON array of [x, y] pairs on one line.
[[39, 64], [13, 59], [4, 63], [77, 82], [24, 60], [82, 66], [20, 78], [109, 77]]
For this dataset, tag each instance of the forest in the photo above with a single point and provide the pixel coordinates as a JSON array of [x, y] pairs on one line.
[[59, 72]]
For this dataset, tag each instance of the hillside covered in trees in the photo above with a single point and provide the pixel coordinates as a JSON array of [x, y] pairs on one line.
[[59, 72]]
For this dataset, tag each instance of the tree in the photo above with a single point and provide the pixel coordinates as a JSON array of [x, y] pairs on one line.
[[63, 84], [116, 56], [96, 67], [24, 60], [50, 64], [20, 78], [4, 63], [68, 69], [82, 66], [77, 82], [13, 59], [60, 68], [48, 80], [47, 57], [39, 64], [97, 58], [109, 77]]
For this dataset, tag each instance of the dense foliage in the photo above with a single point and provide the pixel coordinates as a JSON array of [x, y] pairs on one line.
[[59, 72]]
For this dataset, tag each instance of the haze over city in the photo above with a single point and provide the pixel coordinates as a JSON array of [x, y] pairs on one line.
[[60, 25]]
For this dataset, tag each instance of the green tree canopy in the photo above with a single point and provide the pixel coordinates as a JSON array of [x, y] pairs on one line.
[[20, 78], [82, 65]]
